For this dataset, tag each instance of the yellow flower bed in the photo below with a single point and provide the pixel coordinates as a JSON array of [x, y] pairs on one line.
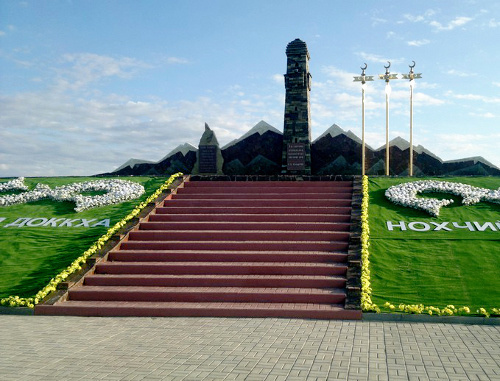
[[366, 289], [16, 301]]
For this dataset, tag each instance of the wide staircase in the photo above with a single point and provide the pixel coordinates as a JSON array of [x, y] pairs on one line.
[[228, 248]]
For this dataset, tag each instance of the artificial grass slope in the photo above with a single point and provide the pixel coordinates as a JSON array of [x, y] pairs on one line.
[[434, 268], [31, 256]]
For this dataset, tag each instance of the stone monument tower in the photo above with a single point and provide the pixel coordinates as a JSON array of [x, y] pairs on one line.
[[296, 157]]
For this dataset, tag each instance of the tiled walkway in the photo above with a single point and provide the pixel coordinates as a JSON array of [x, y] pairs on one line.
[[74, 348]]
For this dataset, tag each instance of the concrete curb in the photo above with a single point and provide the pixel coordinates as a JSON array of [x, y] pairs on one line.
[[16, 311], [420, 318]]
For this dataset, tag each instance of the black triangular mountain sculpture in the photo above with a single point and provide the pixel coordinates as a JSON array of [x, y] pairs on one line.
[[336, 152]]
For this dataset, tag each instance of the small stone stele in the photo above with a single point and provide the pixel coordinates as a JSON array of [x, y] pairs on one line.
[[209, 160]]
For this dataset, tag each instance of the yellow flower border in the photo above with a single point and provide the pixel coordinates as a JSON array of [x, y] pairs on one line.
[[367, 304], [366, 289], [16, 301]]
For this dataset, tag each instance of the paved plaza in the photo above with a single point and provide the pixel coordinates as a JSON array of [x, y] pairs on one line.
[[76, 348]]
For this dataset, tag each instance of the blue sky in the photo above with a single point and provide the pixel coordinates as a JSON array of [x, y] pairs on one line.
[[86, 85]]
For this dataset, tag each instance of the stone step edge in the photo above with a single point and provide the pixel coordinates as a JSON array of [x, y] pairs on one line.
[[207, 294], [244, 252], [216, 289], [205, 280], [250, 184], [218, 276], [285, 310]]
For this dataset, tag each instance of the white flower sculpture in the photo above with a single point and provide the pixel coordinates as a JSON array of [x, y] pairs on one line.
[[16, 184], [406, 194], [117, 191]]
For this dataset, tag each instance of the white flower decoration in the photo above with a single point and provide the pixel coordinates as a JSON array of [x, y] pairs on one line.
[[406, 194], [117, 190]]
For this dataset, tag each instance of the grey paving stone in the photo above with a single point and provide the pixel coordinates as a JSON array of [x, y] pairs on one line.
[[237, 349]]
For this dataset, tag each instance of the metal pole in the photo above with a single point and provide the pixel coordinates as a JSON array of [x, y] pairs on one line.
[[363, 78], [363, 129], [387, 131], [411, 129]]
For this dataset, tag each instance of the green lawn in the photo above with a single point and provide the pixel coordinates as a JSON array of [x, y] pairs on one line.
[[434, 268], [31, 256]]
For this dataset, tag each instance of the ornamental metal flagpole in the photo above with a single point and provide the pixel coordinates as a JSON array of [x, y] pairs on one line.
[[387, 77], [411, 127], [363, 78], [387, 93], [363, 166], [411, 76]]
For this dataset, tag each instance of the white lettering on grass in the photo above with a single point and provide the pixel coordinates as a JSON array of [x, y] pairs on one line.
[[85, 223], [485, 226], [468, 225], [441, 226], [19, 222], [391, 226], [413, 226], [56, 222], [420, 226], [36, 222]]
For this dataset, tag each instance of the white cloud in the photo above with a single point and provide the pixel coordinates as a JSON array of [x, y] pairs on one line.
[[60, 136], [496, 84], [422, 99], [177, 60], [493, 23], [413, 18], [474, 97], [369, 57], [340, 78], [391, 35], [278, 78], [85, 68], [457, 22], [419, 18], [425, 85], [418, 43], [377, 20], [2, 33], [458, 73], [468, 145], [487, 115]]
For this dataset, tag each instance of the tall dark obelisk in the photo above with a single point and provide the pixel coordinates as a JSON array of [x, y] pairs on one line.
[[296, 157]]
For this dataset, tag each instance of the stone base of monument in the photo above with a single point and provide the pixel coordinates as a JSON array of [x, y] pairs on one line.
[[230, 248]]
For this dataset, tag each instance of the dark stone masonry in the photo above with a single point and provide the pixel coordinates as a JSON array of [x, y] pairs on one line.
[[296, 158]]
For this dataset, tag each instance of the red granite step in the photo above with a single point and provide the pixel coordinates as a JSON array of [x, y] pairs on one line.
[[207, 294], [295, 218], [225, 256], [217, 268], [253, 210], [163, 309], [267, 189], [314, 185], [222, 203], [291, 281], [236, 235], [240, 225], [263, 195], [331, 246]]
